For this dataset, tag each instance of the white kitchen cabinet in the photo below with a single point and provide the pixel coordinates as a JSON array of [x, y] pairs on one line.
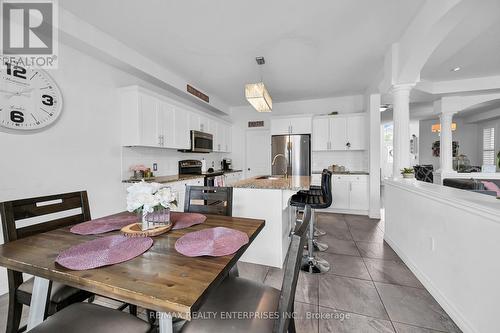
[[229, 138], [320, 134], [180, 189], [151, 120], [148, 117], [356, 132], [291, 125], [340, 192], [350, 192], [339, 132], [359, 199], [181, 131]]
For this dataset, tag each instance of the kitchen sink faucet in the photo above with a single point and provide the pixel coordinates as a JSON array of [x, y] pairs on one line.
[[286, 166]]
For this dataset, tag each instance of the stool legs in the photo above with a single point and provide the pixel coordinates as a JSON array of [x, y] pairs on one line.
[[318, 232], [310, 263]]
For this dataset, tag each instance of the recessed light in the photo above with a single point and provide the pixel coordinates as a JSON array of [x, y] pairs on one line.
[[456, 69]]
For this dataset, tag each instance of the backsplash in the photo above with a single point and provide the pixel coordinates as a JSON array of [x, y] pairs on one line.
[[167, 159], [355, 160]]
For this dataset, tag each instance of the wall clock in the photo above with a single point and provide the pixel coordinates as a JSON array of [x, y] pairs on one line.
[[29, 98]]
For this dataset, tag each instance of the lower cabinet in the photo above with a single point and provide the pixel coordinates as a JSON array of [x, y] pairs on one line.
[[350, 192], [180, 188]]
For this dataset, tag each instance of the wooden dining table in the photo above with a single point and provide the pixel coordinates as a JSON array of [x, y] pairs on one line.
[[161, 279]]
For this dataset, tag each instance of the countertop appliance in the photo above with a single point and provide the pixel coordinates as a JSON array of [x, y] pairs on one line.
[[227, 164], [193, 167], [201, 142], [291, 155]]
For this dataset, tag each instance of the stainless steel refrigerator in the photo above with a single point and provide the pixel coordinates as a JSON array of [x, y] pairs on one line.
[[291, 153]]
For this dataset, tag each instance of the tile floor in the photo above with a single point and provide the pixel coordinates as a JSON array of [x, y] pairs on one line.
[[369, 289]]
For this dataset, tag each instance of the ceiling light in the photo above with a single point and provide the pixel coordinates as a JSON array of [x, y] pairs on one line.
[[257, 94], [456, 69], [436, 128]]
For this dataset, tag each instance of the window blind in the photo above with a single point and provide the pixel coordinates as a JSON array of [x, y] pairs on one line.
[[489, 146]]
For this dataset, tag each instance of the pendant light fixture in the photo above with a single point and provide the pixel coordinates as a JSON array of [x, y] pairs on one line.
[[257, 94]]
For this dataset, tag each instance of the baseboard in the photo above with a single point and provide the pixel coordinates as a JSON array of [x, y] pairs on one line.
[[448, 307]]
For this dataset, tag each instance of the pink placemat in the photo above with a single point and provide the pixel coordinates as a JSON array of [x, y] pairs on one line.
[[103, 251], [185, 220], [105, 224], [216, 242]]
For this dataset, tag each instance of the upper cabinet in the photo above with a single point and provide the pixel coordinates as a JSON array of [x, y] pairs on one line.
[[154, 121], [340, 132], [290, 125]]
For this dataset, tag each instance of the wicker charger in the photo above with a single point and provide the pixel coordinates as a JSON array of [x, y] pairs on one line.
[[134, 230]]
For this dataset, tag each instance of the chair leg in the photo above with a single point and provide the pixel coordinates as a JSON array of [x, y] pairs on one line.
[[91, 299], [14, 315], [132, 309], [291, 325], [311, 263]]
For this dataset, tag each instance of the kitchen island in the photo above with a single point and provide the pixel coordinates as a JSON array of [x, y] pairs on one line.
[[267, 198]]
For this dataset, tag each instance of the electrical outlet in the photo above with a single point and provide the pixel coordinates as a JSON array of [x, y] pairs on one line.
[[155, 166]]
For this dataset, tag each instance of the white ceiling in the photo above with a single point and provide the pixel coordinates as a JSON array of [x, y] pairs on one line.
[[474, 45], [313, 49]]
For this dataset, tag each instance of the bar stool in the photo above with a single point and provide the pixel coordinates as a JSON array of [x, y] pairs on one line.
[[313, 198]]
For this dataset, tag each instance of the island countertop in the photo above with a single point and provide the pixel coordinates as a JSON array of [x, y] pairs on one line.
[[293, 183]]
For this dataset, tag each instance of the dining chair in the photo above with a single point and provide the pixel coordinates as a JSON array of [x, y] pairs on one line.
[[71, 208], [243, 296], [86, 317], [209, 200]]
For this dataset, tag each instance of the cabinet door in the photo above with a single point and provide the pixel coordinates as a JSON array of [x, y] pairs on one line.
[[280, 126], [148, 107], [229, 138], [338, 135], [204, 124], [300, 125], [194, 121], [340, 193], [221, 143], [166, 124], [358, 199], [182, 139], [321, 134], [356, 132]]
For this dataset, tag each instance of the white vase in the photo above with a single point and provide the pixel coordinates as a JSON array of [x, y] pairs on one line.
[[408, 175]]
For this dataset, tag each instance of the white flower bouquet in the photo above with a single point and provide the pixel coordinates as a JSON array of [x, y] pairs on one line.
[[153, 201]]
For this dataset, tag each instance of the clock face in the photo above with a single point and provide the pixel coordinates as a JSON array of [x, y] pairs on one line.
[[29, 98]]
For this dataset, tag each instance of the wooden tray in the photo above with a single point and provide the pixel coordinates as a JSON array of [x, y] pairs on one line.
[[134, 230]]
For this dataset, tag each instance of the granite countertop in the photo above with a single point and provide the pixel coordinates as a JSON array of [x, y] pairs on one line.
[[164, 179], [175, 178], [293, 183], [346, 172]]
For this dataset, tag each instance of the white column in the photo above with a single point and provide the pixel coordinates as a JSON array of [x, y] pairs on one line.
[[446, 144], [401, 117]]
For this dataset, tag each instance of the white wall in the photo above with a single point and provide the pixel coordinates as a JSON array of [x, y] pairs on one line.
[[81, 151], [241, 115], [466, 135]]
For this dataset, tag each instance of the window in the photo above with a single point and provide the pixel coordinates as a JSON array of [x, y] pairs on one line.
[[489, 146]]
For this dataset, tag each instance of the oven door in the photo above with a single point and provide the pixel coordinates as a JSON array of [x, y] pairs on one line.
[[201, 142]]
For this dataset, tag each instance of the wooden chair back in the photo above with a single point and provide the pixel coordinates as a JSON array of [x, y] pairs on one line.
[[291, 275], [209, 200], [12, 212]]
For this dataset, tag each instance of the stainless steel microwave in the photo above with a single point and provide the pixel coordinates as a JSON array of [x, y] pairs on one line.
[[201, 142]]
